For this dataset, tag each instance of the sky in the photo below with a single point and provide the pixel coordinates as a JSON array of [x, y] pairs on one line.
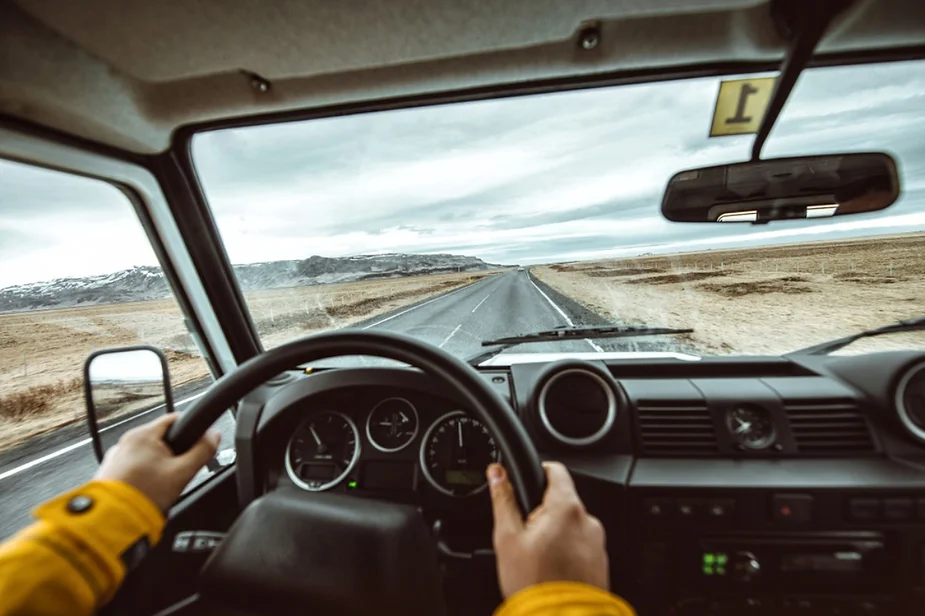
[[526, 180]]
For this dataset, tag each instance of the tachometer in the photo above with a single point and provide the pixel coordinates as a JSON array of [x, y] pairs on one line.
[[455, 453], [392, 425], [323, 451]]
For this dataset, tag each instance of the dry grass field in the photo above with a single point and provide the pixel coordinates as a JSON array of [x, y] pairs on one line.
[[110, 399], [42, 352], [761, 300]]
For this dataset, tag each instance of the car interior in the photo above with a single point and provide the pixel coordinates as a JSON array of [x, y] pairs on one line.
[[726, 484]]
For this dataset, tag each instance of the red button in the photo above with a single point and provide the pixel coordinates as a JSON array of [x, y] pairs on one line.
[[792, 508]]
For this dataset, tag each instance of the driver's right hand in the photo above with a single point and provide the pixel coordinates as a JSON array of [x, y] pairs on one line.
[[558, 542]]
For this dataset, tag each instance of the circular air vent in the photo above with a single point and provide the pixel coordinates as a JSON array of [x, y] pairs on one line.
[[577, 407], [910, 401]]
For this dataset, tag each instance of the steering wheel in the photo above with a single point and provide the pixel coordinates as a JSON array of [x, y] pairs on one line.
[[259, 545]]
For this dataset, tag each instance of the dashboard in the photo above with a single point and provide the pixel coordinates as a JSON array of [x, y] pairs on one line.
[[726, 485]]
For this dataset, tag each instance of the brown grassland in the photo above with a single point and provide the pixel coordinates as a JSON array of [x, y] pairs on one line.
[[760, 300], [42, 352], [111, 399]]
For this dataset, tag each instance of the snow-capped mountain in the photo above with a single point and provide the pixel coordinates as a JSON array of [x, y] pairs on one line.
[[147, 282]]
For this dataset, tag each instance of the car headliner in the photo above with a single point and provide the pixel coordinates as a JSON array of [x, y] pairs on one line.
[[129, 74]]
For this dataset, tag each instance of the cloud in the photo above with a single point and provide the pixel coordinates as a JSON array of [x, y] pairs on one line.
[[517, 180]]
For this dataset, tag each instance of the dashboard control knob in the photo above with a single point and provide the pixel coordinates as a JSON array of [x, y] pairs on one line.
[[745, 566]]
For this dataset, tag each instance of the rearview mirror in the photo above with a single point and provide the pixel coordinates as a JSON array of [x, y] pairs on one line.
[[123, 386], [783, 189]]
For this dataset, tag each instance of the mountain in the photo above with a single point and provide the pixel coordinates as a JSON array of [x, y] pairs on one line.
[[147, 282]]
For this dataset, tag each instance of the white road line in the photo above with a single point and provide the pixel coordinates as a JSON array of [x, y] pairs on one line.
[[551, 303], [594, 345], [406, 311], [481, 302], [452, 333], [564, 316], [86, 441]]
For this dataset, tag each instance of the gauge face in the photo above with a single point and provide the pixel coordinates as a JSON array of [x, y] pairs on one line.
[[323, 450], [751, 426], [392, 425], [455, 453]]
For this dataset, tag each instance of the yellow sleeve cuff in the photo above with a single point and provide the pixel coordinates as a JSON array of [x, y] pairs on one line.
[[564, 599], [95, 539]]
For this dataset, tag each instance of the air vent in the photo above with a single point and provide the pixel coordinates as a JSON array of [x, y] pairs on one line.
[[829, 427], [676, 428], [577, 407]]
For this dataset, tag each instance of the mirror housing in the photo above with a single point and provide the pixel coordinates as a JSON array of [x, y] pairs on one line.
[[120, 381], [783, 189]]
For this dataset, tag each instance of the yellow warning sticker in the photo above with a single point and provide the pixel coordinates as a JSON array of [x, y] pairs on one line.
[[740, 106]]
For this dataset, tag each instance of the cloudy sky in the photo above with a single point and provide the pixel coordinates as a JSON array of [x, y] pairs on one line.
[[526, 180]]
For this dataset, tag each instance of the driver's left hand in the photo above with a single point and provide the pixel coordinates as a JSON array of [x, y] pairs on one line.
[[143, 460]]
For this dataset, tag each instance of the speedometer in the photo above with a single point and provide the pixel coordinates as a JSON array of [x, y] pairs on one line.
[[455, 453], [322, 451]]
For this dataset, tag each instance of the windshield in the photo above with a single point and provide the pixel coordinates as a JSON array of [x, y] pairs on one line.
[[467, 222]]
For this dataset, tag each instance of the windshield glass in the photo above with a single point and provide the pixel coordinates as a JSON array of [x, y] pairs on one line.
[[465, 222]]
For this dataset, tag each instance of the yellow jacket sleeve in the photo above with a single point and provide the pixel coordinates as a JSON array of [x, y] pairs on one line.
[[72, 560], [564, 599]]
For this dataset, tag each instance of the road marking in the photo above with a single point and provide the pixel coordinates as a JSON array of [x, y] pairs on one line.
[[452, 333], [594, 345], [430, 301], [86, 441], [480, 303], [552, 303], [564, 316]]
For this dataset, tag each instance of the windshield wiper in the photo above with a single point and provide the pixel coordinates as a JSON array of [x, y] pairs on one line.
[[573, 332], [906, 325], [587, 331]]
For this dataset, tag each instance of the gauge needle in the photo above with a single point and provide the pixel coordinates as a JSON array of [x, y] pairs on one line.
[[744, 426], [459, 430], [321, 447]]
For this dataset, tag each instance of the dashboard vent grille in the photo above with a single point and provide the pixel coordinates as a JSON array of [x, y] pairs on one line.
[[676, 428], [829, 427]]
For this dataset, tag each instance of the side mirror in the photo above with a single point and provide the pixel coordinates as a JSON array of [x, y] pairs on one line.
[[783, 189], [123, 386]]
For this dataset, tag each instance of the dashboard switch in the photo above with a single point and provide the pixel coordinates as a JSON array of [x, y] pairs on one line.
[[898, 509], [863, 509], [657, 507], [688, 509], [791, 508], [745, 566], [720, 508]]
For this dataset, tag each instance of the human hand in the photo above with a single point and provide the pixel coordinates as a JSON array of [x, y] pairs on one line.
[[143, 460], [559, 541]]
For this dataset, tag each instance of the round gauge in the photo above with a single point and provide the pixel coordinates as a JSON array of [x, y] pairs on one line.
[[392, 425], [323, 450], [455, 453], [752, 427]]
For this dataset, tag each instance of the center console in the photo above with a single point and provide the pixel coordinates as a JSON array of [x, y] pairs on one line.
[[766, 550]]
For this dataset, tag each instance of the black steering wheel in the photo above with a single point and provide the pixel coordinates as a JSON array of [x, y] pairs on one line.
[[466, 386], [338, 553]]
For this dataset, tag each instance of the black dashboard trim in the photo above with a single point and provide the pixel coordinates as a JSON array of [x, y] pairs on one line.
[[784, 474], [322, 382]]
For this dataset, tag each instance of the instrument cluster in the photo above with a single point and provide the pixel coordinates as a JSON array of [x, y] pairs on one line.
[[390, 444]]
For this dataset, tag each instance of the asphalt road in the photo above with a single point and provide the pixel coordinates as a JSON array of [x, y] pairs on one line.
[[502, 305]]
